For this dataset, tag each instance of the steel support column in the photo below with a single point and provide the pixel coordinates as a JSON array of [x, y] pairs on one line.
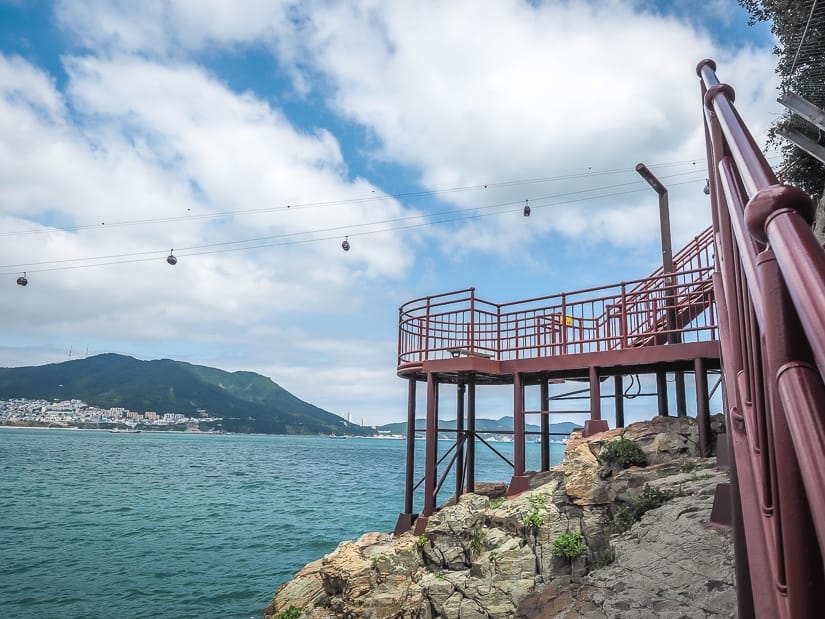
[[661, 391], [544, 406], [407, 517], [471, 440], [519, 482], [595, 394], [618, 399], [430, 446], [681, 401], [595, 424], [459, 437], [702, 406]]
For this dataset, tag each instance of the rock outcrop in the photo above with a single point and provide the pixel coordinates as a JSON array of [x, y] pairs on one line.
[[493, 558]]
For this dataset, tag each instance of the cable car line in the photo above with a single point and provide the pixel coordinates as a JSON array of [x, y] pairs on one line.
[[350, 226], [148, 256], [341, 202]]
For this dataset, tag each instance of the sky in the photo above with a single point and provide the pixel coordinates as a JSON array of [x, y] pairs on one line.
[[252, 138]]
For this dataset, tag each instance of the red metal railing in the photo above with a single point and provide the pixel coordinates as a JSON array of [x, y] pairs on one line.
[[653, 310], [770, 280]]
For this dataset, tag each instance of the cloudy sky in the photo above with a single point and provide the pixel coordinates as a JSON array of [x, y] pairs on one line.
[[252, 137]]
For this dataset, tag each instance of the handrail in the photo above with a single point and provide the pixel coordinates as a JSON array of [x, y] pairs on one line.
[[771, 277], [615, 317]]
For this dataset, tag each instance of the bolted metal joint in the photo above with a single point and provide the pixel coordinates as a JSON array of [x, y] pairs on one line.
[[772, 200], [713, 91]]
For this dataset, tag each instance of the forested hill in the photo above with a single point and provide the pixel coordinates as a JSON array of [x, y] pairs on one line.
[[247, 402]]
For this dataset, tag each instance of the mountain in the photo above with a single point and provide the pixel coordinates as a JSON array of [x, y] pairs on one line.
[[482, 425], [247, 402]]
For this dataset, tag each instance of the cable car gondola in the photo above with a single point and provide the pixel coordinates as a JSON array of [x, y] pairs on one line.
[[22, 281], [345, 244], [526, 209], [171, 258]]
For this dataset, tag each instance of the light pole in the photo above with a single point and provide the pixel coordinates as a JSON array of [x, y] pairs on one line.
[[664, 218], [667, 269]]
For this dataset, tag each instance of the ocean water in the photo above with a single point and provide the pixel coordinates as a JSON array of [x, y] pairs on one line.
[[94, 524]]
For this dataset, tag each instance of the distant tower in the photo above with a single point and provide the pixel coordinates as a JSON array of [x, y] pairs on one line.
[[349, 417], [363, 422]]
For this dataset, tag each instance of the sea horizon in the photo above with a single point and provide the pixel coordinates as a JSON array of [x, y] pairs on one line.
[[188, 524]]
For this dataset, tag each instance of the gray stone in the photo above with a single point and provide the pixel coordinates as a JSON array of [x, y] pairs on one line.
[[476, 562]]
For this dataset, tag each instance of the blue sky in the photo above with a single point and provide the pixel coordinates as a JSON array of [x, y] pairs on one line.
[[417, 129]]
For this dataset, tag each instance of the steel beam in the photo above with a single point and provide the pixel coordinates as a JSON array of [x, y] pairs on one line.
[[813, 148], [803, 108]]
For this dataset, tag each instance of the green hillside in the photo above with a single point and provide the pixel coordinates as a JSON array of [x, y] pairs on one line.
[[247, 402]]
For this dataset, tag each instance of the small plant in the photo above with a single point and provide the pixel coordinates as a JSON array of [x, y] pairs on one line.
[[569, 546], [649, 498], [537, 500], [439, 574], [534, 519], [293, 612], [493, 555], [604, 557], [497, 502], [422, 540], [477, 542], [625, 452], [374, 563]]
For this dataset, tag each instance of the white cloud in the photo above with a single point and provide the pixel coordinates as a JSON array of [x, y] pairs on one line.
[[448, 95]]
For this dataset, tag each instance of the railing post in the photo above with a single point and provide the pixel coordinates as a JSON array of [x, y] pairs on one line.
[[400, 328], [500, 350], [800, 561], [563, 321], [623, 317], [472, 343], [425, 353]]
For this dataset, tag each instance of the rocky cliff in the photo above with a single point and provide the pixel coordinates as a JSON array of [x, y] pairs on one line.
[[619, 526]]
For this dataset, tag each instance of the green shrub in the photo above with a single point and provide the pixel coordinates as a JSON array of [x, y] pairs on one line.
[[422, 540], [293, 612], [568, 545], [625, 452], [649, 498]]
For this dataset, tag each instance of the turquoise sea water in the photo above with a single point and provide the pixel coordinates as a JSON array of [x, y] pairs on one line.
[[94, 524]]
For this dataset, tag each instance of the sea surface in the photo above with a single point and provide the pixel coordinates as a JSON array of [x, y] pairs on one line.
[[177, 525]]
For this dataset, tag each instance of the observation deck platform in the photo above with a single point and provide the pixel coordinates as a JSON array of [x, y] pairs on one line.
[[662, 324]]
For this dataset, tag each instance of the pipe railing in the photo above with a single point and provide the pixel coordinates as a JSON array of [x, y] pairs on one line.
[[615, 317], [771, 279]]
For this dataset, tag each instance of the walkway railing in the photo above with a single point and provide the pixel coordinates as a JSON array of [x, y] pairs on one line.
[[650, 311], [770, 283]]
